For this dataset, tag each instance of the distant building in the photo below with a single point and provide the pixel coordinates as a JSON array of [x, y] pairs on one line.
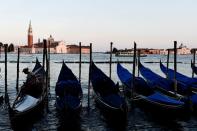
[[74, 49], [55, 46], [182, 50], [154, 51]]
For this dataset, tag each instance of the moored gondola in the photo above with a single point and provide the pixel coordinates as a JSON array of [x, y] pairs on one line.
[[146, 97], [30, 99], [167, 86], [190, 82], [68, 91], [107, 94], [161, 83]]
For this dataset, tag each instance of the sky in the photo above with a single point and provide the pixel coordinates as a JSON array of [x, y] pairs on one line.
[[150, 23]]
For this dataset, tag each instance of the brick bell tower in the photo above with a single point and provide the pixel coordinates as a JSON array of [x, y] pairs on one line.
[[30, 36]]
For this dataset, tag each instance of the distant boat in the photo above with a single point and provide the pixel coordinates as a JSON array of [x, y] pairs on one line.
[[127, 54], [30, 99], [68, 91], [107, 94]]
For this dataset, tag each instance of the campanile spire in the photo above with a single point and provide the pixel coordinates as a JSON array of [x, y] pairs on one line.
[[30, 36]]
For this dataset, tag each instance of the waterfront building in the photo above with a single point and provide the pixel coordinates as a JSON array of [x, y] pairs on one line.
[[181, 50], [74, 49]]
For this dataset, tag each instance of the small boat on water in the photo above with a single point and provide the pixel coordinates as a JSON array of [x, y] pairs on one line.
[[107, 94], [30, 99], [127, 54], [146, 97], [68, 91]]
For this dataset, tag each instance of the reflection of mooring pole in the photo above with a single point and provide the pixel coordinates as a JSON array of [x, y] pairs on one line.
[[17, 77]]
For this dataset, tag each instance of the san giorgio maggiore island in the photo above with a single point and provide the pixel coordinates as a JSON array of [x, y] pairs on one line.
[[56, 47]]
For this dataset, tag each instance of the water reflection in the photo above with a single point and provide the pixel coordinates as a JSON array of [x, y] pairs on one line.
[[68, 121]]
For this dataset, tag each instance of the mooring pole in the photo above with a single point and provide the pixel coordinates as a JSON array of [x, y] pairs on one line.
[[0, 51], [175, 65], [134, 62], [168, 57], [110, 60], [45, 59], [17, 77], [49, 44], [194, 61], [138, 61], [44, 55], [6, 90], [79, 62], [90, 73]]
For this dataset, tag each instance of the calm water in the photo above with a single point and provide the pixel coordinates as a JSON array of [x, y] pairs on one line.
[[94, 119]]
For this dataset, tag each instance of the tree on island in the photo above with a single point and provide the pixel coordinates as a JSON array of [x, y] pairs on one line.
[[1, 44], [11, 48], [114, 50]]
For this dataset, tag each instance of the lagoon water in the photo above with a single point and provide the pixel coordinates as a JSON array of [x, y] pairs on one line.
[[92, 120]]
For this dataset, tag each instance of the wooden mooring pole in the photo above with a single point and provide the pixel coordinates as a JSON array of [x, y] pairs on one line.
[[17, 73], [175, 66], [90, 73], [6, 85], [79, 62], [44, 53], [138, 52], [45, 59], [110, 60], [168, 57], [49, 58], [194, 61], [133, 81]]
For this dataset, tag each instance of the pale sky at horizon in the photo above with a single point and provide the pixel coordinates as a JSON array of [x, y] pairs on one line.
[[151, 23]]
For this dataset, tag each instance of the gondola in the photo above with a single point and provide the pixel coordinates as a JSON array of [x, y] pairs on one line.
[[30, 99], [190, 82], [161, 83], [146, 97], [107, 94], [166, 85], [68, 91]]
